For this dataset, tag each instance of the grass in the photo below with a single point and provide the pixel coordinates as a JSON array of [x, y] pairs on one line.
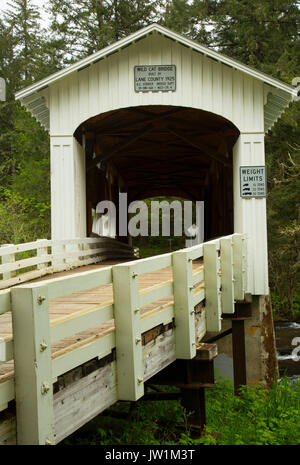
[[257, 417]]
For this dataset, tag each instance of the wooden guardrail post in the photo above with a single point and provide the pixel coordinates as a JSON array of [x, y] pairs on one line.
[[239, 265], [212, 287], [32, 355], [130, 369], [185, 333], [41, 250], [8, 258], [227, 276]]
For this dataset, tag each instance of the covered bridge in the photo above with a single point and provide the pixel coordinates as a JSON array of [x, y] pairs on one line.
[[153, 114]]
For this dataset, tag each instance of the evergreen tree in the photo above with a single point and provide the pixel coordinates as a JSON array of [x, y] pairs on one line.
[[261, 33], [85, 26], [23, 21]]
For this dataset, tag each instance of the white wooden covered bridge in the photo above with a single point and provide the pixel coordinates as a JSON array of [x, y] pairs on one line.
[[73, 344]]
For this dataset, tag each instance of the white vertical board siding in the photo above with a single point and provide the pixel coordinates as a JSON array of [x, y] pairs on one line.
[[68, 203], [250, 214], [202, 83]]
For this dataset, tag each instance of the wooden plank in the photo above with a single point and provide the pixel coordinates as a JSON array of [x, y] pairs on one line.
[[42, 251], [198, 276], [21, 247], [212, 287], [198, 296], [162, 315], [128, 332], [98, 345], [159, 353], [33, 377], [206, 352], [6, 350], [58, 287], [227, 275], [5, 305], [7, 259], [183, 306], [80, 321], [8, 267], [150, 264], [7, 392], [83, 400], [156, 292]]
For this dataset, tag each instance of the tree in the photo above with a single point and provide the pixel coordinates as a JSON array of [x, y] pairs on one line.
[[83, 27], [23, 20], [261, 33]]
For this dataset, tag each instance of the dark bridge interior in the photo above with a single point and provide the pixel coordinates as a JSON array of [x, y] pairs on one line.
[[150, 151]]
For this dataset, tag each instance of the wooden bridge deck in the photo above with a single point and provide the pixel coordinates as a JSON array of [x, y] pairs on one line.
[[85, 301]]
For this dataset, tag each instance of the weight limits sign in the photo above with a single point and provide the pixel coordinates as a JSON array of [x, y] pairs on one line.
[[154, 78], [253, 181]]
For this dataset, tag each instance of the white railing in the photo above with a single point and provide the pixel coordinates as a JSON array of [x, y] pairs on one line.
[[54, 256], [217, 278]]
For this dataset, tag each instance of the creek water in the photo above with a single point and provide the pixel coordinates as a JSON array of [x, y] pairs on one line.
[[288, 349]]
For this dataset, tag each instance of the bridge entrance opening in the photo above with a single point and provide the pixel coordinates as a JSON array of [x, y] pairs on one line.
[[150, 151]]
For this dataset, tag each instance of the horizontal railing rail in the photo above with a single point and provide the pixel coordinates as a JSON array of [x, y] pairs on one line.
[[212, 273], [55, 256]]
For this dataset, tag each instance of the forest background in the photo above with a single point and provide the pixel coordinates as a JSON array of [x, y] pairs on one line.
[[263, 34]]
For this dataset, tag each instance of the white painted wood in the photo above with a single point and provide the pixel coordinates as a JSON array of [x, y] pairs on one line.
[[185, 337], [5, 304], [201, 83], [198, 296], [227, 275], [250, 214], [33, 376], [42, 252], [7, 260], [212, 287], [154, 293], [7, 392], [68, 192], [150, 264], [198, 277], [97, 346], [75, 323], [239, 287], [6, 350], [164, 316], [59, 287], [128, 332]]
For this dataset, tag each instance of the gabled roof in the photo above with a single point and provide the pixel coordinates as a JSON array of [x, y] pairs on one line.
[[29, 96]]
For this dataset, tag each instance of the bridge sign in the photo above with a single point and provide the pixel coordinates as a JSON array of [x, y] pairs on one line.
[[154, 78], [253, 181]]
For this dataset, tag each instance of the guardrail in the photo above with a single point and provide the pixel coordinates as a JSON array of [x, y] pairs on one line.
[[219, 280], [54, 256]]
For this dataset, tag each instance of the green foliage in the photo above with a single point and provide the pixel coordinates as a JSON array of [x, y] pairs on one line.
[[256, 417], [85, 26]]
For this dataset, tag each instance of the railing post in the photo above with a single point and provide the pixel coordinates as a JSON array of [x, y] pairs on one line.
[[41, 250], [212, 287], [227, 278], [185, 333], [130, 370], [9, 258], [239, 244], [33, 374]]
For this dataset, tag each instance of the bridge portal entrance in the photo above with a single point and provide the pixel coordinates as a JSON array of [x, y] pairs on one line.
[[158, 150]]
